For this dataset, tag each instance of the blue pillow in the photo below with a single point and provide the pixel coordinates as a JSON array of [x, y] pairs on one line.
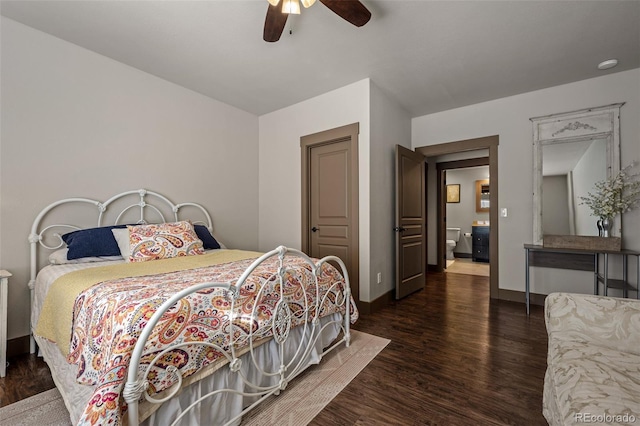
[[92, 242], [207, 239]]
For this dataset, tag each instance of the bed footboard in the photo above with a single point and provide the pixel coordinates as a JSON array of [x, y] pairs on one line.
[[246, 333]]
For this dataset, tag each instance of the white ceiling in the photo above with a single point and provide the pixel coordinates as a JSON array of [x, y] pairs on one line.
[[428, 55]]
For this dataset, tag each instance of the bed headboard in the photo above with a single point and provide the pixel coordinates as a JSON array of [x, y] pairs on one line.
[[137, 206]]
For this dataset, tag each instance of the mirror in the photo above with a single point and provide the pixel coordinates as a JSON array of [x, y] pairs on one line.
[[569, 171], [482, 195], [571, 152]]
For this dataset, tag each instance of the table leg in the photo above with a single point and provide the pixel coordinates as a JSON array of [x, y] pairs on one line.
[[638, 277], [526, 282], [596, 258], [3, 321], [606, 272], [624, 276]]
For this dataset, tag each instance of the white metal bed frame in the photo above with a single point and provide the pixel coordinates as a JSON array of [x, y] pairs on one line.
[[37, 235], [280, 324]]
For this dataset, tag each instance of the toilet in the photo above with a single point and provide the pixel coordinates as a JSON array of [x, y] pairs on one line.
[[453, 236]]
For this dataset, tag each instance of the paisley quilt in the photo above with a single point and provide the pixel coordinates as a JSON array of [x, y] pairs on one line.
[[108, 318]]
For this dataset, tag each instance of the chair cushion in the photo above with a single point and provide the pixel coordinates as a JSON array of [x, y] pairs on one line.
[[584, 381]]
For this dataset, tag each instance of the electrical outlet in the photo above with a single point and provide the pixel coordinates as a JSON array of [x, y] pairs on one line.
[[503, 212], [379, 277]]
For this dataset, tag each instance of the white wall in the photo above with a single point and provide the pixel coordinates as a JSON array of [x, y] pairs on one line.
[[75, 123], [390, 126], [280, 170], [509, 118]]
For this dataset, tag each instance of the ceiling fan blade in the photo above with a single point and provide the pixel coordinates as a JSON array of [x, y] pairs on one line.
[[350, 10], [274, 23]]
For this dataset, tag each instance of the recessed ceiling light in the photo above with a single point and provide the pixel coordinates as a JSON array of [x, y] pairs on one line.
[[605, 65]]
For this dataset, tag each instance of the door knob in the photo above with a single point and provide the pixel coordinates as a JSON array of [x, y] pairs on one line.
[[314, 229], [399, 228]]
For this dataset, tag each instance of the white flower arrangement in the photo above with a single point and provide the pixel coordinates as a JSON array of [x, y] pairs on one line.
[[614, 195]]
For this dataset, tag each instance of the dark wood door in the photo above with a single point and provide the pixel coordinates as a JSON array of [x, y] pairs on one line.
[[410, 229], [330, 197], [330, 201]]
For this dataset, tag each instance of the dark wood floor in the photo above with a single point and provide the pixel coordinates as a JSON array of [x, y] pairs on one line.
[[455, 358]]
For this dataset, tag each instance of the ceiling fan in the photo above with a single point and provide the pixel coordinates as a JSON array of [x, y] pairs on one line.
[[350, 10]]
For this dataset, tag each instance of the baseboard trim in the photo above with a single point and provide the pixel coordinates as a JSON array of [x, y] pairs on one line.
[[519, 296], [503, 294], [18, 346], [378, 304], [433, 268], [462, 255]]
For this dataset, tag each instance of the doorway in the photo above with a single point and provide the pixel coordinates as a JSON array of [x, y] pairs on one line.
[[490, 145], [464, 216]]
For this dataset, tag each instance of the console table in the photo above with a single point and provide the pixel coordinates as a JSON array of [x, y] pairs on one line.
[[585, 260]]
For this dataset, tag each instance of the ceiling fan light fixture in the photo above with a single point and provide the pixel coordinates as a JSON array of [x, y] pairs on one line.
[[291, 7], [352, 11], [274, 2]]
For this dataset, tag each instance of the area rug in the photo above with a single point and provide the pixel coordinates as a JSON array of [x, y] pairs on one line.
[[467, 267], [303, 399]]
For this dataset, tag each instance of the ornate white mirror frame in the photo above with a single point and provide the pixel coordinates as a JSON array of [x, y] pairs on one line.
[[601, 123]]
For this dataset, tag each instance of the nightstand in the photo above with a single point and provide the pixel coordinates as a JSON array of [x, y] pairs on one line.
[[4, 284]]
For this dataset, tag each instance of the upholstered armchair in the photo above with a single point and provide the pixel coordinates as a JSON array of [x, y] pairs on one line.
[[593, 361]]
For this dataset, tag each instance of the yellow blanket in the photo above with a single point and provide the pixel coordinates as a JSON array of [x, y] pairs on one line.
[[56, 319]]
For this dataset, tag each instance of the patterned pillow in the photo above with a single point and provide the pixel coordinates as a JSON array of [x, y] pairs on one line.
[[163, 241]]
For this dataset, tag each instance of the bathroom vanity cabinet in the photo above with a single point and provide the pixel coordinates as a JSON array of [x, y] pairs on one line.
[[480, 245]]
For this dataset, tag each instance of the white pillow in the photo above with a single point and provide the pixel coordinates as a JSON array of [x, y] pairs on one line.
[[122, 238], [222, 246], [59, 257]]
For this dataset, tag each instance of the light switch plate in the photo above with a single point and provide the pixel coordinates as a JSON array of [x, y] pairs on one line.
[[503, 212]]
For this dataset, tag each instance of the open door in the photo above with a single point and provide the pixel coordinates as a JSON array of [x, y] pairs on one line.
[[411, 217]]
